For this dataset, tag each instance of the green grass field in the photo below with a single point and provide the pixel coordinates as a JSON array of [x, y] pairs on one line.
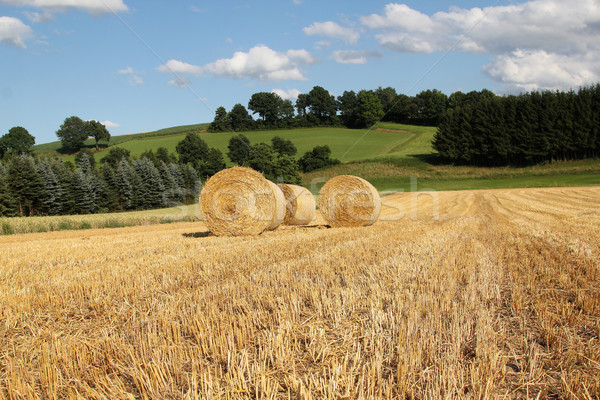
[[346, 144], [54, 147], [391, 156]]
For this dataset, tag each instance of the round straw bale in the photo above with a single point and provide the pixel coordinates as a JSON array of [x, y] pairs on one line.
[[346, 201], [300, 205], [239, 201], [279, 214]]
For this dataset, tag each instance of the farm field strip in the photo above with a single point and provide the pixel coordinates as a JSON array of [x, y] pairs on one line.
[[465, 294]]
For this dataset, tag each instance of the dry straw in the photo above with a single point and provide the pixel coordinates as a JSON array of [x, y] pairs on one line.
[[346, 201], [239, 201], [300, 205], [279, 215]]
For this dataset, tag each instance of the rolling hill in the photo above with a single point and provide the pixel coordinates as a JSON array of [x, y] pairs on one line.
[[385, 140]]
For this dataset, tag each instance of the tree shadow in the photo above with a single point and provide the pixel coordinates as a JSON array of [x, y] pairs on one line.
[[432, 159], [198, 235]]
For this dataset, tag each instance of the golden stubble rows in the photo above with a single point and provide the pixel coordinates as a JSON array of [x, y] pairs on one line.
[[451, 295]]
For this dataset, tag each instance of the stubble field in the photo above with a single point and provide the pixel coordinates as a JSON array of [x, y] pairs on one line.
[[473, 294]]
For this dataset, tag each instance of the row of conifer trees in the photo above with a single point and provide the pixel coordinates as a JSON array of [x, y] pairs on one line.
[[527, 129], [45, 186]]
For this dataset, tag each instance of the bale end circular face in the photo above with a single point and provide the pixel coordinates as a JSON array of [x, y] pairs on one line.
[[238, 201], [349, 201], [300, 205], [279, 215]]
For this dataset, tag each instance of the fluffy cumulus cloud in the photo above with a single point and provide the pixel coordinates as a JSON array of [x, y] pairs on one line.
[[538, 70], [354, 56], [110, 124], [14, 32], [179, 70], [290, 94], [175, 67], [92, 6], [552, 37], [333, 30], [263, 64]]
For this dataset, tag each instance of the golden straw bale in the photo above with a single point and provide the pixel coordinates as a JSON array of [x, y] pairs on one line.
[[300, 205], [239, 201], [346, 201], [279, 214]]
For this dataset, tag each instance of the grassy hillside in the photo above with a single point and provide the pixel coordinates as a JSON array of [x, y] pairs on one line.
[[54, 147], [407, 174], [385, 140], [392, 156]]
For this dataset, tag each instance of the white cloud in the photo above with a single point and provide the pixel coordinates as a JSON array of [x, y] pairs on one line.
[[322, 44], [92, 6], [110, 124], [180, 67], [180, 81], [539, 70], [297, 2], [400, 17], [333, 30], [263, 64], [554, 25], [39, 17], [550, 43], [287, 94], [302, 57], [14, 32], [134, 80], [354, 56]]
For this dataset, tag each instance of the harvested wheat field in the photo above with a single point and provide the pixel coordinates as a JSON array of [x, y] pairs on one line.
[[480, 294]]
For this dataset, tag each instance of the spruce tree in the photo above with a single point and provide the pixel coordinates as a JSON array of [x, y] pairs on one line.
[[83, 193], [8, 207], [123, 185], [152, 188], [65, 177], [54, 191], [26, 185], [173, 187]]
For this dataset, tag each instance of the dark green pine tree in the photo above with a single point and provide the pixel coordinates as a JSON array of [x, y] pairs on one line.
[[83, 193], [176, 171], [153, 188], [584, 123], [124, 186], [191, 184], [65, 177], [173, 194], [52, 199], [8, 207], [26, 185], [109, 201], [596, 119]]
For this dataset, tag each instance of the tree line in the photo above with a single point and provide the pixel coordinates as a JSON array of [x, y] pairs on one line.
[[48, 186], [320, 108], [527, 129], [41, 185]]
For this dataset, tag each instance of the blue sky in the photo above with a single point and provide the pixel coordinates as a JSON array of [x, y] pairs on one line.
[[144, 65]]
